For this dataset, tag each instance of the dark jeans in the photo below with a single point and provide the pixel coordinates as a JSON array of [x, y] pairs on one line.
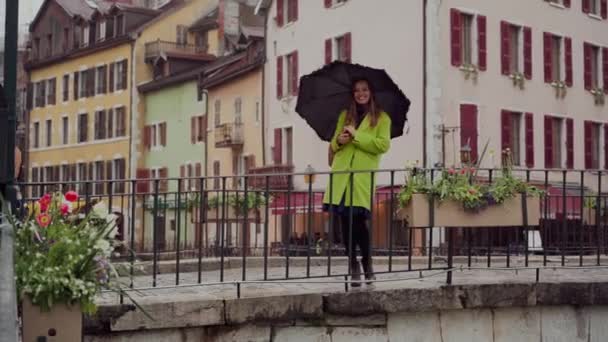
[[360, 237]]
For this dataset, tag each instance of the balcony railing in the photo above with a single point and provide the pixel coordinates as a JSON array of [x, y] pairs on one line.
[[161, 48], [278, 182], [229, 135]]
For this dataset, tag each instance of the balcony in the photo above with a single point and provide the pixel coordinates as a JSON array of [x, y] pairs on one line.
[[164, 49], [229, 135], [279, 179]]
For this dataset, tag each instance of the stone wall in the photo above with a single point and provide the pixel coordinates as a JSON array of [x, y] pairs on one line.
[[568, 312]]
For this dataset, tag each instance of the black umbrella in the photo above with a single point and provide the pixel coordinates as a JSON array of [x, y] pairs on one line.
[[325, 93]]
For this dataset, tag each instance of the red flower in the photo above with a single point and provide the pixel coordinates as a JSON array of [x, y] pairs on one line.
[[71, 196], [44, 206], [472, 191], [452, 171], [44, 202], [472, 170], [43, 220], [65, 209], [463, 171]]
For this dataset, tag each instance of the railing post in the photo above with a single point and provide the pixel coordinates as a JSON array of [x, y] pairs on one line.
[[8, 293]]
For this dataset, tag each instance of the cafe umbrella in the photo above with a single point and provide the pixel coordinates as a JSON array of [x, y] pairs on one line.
[[325, 93]]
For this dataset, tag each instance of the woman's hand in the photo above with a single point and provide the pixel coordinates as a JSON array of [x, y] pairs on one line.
[[344, 139], [350, 129]]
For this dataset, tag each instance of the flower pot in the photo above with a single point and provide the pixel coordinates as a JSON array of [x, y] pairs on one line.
[[230, 214], [452, 214], [62, 323]]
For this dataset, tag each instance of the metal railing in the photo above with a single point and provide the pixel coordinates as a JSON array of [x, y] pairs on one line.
[[160, 47], [225, 229], [229, 135]]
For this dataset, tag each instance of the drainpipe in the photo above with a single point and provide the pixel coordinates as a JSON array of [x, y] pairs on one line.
[[432, 82], [263, 102], [206, 94], [424, 72]]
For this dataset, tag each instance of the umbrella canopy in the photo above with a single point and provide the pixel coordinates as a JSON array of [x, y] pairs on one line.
[[325, 93]]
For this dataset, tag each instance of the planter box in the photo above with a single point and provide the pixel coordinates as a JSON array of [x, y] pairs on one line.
[[230, 214], [452, 214], [62, 323]]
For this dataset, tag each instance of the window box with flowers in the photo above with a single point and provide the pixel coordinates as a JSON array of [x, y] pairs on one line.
[[460, 199], [599, 96], [236, 204], [62, 262], [561, 89]]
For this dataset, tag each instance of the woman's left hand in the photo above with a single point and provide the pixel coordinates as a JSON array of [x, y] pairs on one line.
[[350, 130]]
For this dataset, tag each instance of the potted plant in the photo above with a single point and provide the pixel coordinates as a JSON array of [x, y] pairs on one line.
[[599, 96], [460, 199], [62, 261], [518, 80]]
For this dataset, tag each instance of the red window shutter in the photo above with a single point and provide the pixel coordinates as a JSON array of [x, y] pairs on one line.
[[548, 62], [294, 73], [142, 186], [163, 174], [278, 148], [586, 6], [163, 134], [604, 9], [328, 48], [456, 39], [327, 3], [569, 73], [528, 53], [482, 42], [570, 143], [567, 3], [468, 128], [605, 147], [295, 9], [505, 129], [348, 47], [605, 67], [529, 140], [279, 77], [280, 13], [587, 48], [588, 144], [198, 170], [111, 78], [548, 142], [505, 50], [193, 130], [147, 133]]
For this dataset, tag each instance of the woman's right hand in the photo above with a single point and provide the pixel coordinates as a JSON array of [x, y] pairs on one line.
[[344, 138]]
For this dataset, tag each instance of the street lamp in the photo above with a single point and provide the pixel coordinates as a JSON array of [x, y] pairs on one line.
[[465, 154], [309, 177]]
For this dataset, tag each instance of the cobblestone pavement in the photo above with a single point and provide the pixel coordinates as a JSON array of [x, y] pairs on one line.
[[164, 290]]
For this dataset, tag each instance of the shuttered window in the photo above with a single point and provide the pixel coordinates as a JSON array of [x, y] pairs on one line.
[[466, 47], [468, 129], [592, 132]]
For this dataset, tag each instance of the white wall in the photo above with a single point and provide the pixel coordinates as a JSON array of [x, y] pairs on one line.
[[386, 36]]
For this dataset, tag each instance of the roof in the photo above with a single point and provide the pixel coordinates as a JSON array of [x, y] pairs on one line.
[[262, 6], [207, 21], [243, 64]]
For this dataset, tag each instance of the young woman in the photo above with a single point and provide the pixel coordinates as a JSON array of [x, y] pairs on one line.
[[362, 135]]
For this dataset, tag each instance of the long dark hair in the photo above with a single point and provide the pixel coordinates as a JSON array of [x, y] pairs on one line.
[[373, 108]]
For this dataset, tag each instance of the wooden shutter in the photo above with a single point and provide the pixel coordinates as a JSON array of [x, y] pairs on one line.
[[605, 146], [110, 132], [76, 90], [569, 143], [529, 139], [327, 3], [587, 50], [604, 9], [198, 170], [569, 72], [505, 50], [528, 53], [567, 3], [29, 102], [588, 144], [328, 48], [124, 74], [279, 75], [456, 39], [605, 68], [280, 13], [292, 10], [348, 50], [109, 176], [482, 42], [250, 163], [202, 131], [163, 174], [505, 129], [548, 61], [91, 82], [468, 128], [163, 134], [147, 133], [193, 130], [111, 78], [548, 142], [586, 6], [294, 73], [143, 185], [278, 148], [182, 176]]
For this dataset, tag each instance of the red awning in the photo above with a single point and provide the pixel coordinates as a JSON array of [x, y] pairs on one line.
[[555, 203]]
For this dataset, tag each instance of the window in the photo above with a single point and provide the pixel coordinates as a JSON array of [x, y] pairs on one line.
[[36, 136], [99, 178], [554, 139], [101, 32], [49, 132], [120, 25], [65, 131], [52, 85], [101, 80], [558, 59], [338, 48], [65, 173], [592, 144], [516, 50], [85, 36], [155, 135], [83, 128], [292, 10], [120, 75], [514, 32], [100, 125], [82, 177], [594, 7], [238, 104], [40, 94], [216, 173], [181, 35], [110, 28], [511, 135], [120, 122], [289, 145], [83, 83], [595, 67], [119, 174], [468, 39], [198, 128], [66, 88], [217, 118], [287, 82], [287, 8]]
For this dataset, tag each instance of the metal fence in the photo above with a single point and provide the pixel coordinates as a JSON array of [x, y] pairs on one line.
[[243, 228]]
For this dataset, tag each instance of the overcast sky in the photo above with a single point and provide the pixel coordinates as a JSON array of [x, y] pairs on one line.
[[27, 12]]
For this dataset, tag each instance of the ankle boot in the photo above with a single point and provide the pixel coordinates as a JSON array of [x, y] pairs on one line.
[[355, 274], [368, 268]]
